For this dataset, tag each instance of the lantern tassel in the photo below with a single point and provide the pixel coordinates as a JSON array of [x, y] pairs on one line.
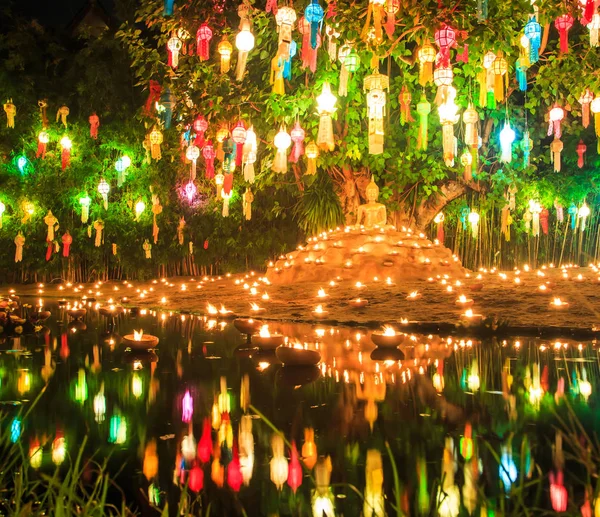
[[280, 162], [325, 134], [241, 65]]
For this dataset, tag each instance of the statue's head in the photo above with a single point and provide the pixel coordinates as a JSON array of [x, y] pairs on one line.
[[372, 191]]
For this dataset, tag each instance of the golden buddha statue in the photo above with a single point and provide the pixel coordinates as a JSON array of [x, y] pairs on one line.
[[372, 214]]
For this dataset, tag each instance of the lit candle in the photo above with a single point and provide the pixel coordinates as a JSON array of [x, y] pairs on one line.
[[415, 295], [463, 301], [557, 303], [469, 317], [359, 303]]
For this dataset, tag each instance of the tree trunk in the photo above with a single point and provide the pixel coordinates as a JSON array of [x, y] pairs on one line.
[[428, 208]]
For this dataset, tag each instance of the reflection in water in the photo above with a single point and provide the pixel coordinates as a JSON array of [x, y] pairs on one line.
[[441, 424]]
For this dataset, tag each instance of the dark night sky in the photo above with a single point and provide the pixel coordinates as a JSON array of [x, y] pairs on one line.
[[55, 13]]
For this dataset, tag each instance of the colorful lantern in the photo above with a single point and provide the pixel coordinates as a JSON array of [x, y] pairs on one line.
[[85, 208], [556, 148], [374, 504], [238, 134], [208, 153], [200, 126], [559, 496], [286, 19], [535, 209], [276, 78], [11, 111], [278, 464], [507, 137], [173, 47], [332, 37], [583, 213], [404, 100], [343, 56], [471, 120], [244, 42], [155, 138], [249, 155], [234, 471], [445, 38], [594, 28], [19, 243], [500, 69], [103, 189], [297, 134], [203, 37], [423, 110], [448, 117], [166, 106], [586, 100], [247, 200], [94, 121], [219, 180], [314, 14], [448, 498], [312, 153], [43, 140], [246, 445], [426, 56], [375, 85], [466, 160], [282, 142], [196, 479], [521, 69], [192, 153], [533, 31], [65, 144], [325, 108], [294, 479], [581, 149], [168, 9], [121, 166], [556, 115], [140, 206], [563, 24], [439, 221], [62, 114], [442, 77], [225, 50], [474, 222], [391, 9]]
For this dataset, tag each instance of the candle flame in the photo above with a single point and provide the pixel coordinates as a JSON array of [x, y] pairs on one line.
[[254, 307], [223, 310], [414, 294], [321, 293], [462, 298], [137, 336], [469, 313], [388, 331], [264, 331], [319, 309], [211, 309]]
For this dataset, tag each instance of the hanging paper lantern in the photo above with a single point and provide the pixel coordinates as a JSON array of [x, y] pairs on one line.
[[173, 47], [474, 222], [226, 197], [445, 38], [581, 149], [192, 153], [583, 213], [533, 31], [153, 96], [282, 142], [426, 56], [313, 14], [219, 180], [247, 200], [208, 153], [203, 37], [535, 209], [98, 227], [225, 49], [374, 10], [325, 107], [249, 154], [279, 463], [521, 69], [43, 140], [276, 78], [287, 65], [556, 148], [332, 36], [391, 9], [350, 62], [65, 144], [23, 164], [439, 221], [140, 206], [448, 117], [85, 208], [121, 166], [239, 137], [471, 120], [423, 110], [94, 121], [563, 24], [559, 496], [500, 69], [297, 134], [11, 112], [507, 137], [294, 479], [312, 153], [586, 100], [190, 190], [200, 126], [168, 10], [595, 109], [155, 137], [487, 82], [234, 471], [442, 78], [286, 19], [375, 85], [62, 114], [404, 100], [167, 104], [244, 42], [466, 159], [594, 28], [555, 117], [196, 479], [104, 189], [19, 243], [2, 210]]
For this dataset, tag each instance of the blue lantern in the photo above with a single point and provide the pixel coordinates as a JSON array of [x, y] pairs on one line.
[[167, 101], [533, 31], [287, 65], [22, 164], [168, 8], [314, 15], [15, 430], [507, 469]]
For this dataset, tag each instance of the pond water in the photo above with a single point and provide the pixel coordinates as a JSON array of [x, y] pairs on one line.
[[204, 423]]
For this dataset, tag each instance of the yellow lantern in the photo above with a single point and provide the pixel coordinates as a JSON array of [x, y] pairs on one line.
[[309, 448], [442, 78], [225, 49], [174, 45], [219, 179], [325, 108], [279, 464], [312, 153], [155, 138], [448, 117], [282, 142], [426, 56], [375, 85], [222, 134], [192, 153], [500, 68], [374, 503], [140, 206]]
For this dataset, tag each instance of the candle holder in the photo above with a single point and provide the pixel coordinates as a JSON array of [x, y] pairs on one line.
[[140, 341], [387, 338], [77, 313], [359, 303], [266, 340], [297, 356], [469, 318], [247, 326], [463, 301], [387, 354]]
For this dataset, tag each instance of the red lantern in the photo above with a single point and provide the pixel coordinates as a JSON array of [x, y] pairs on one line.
[[563, 24], [294, 470], [43, 140], [153, 97], [203, 37], [205, 445], [238, 135], [228, 183], [558, 493], [66, 240], [588, 11], [196, 479], [544, 216], [49, 250], [94, 124], [65, 156], [200, 127], [209, 154], [445, 38], [581, 149], [234, 470]]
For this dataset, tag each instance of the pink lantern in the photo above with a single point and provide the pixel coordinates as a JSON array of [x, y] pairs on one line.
[[209, 154], [196, 479], [295, 470], [557, 114], [558, 493], [187, 406], [238, 135], [200, 126], [581, 149], [190, 190], [563, 24], [203, 37], [297, 134], [445, 38]]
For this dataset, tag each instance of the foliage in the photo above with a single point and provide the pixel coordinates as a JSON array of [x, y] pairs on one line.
[[319, 208]]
